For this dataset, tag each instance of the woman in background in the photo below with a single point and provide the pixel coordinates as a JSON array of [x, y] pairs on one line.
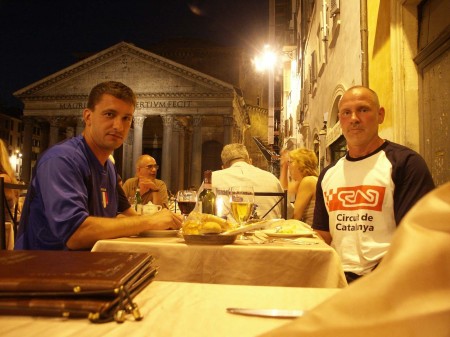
[[301, 166]]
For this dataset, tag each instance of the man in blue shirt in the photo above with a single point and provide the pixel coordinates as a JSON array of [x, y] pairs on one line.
[[74, 198]]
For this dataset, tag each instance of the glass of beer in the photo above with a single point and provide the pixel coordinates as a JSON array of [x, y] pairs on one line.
[[242, 199]]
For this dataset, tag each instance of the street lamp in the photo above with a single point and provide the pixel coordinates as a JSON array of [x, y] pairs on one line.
[[266, 61]]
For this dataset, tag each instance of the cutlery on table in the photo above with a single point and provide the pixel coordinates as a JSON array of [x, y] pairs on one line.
[[274, 313]]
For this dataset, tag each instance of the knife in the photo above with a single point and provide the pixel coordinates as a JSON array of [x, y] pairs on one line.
[[274, 313]]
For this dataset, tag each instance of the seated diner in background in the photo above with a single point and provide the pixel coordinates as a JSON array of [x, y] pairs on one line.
[[237, 170], [151, 189], [298, 175], [361, 198], [74, 198]]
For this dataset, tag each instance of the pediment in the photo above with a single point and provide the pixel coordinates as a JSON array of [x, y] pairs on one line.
[[148, 74]]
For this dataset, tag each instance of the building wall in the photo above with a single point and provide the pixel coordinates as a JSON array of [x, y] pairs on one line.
[[331, 64], [380, 65]]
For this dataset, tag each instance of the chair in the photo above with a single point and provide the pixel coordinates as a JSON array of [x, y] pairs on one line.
[[4, 209], [283, 199]]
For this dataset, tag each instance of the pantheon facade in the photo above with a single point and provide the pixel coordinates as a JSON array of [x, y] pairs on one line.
[[183, 117]]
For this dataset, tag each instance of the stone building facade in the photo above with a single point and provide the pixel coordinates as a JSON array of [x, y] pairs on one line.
[[183, 117]]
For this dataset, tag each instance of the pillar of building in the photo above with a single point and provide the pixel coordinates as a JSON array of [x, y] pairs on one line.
[[196, 151], [175, 158], [54, 131], [167, 149], [80, 125], [27, 150], [228, 122], [138, 122], [182, 157]]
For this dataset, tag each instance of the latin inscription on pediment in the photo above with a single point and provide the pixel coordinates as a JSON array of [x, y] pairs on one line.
[[139, 105]]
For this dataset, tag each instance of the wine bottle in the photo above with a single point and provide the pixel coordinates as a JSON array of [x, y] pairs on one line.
[[207, 197], [138, 201]]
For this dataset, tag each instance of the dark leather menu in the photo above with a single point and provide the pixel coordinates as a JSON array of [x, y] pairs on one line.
[[96, 285]]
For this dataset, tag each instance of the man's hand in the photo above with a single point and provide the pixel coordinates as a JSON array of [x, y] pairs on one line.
[[164, 219], [146, 184]]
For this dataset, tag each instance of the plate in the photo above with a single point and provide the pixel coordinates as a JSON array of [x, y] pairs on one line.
[[159, 233], [210, 239], [273, 233], [253, 226]]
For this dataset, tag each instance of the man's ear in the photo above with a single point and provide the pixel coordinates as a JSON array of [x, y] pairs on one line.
[[381, 114], [87, 114]]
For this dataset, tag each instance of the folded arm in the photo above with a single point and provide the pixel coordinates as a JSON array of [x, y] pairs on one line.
[[97, 228]]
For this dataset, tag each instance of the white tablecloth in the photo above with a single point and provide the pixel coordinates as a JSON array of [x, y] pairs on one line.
[[276, 264], [180, 309]]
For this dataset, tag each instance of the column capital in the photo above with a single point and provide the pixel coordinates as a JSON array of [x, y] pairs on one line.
[[197, 121], [167, 120], [56, 120], [228, 120], [138, 120], [178, 126], [79, 120]]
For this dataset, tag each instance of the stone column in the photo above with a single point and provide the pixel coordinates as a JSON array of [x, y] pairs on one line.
[[80, 125], [196, 151], [27, 148], [54, 131], [137, 138], [228, 122], [176, 164], [166, 149], [182, 157]]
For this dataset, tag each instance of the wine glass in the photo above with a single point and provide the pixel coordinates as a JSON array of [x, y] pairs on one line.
[[186, 200], [242, 199], [222, 201]]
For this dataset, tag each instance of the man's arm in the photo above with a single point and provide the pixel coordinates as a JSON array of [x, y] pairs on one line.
[[96, 228], [158, 190], [321, 223], [412, 182], [325, 236]]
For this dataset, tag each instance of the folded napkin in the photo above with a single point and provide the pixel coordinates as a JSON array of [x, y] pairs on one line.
[[290, 226], [409, 292]]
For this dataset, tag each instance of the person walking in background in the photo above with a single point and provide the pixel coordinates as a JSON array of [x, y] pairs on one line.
[[361, 198], [74, 198], [151, 189], [301, 165]]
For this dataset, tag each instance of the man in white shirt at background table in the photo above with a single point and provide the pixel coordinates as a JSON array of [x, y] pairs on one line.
[[239, 171]]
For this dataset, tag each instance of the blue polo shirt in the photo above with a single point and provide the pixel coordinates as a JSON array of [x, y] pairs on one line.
[[69, 185]]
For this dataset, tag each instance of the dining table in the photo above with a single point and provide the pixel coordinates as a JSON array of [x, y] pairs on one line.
[[172, 309], [299, 262]]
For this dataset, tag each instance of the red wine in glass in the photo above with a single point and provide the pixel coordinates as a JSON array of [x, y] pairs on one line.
[[186, 207]]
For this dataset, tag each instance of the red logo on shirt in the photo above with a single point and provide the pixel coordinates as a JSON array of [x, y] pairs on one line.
[[357, 197]]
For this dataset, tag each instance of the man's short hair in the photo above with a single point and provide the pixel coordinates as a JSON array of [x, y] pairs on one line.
[[233, 152], [113, 88]]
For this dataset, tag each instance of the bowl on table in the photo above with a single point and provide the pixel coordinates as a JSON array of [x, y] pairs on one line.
[[209, 239]]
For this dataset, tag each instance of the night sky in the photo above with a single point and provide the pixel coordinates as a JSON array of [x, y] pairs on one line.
[[41, 37]]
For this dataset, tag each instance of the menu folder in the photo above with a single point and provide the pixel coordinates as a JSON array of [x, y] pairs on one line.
[[99, 286]]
